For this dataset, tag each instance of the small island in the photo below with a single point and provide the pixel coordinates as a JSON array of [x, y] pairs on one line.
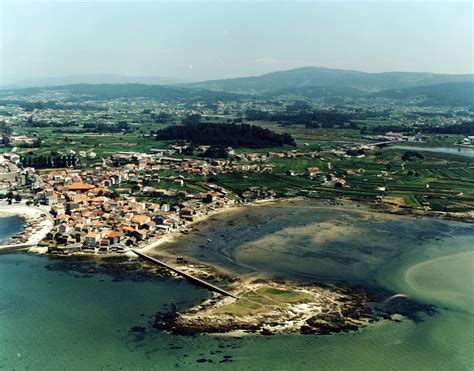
[[269, 306]]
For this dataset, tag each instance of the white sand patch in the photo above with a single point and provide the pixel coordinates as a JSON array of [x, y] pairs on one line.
[[38, 222]]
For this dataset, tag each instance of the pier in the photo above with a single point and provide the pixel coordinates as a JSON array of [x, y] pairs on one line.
[[186, 275]]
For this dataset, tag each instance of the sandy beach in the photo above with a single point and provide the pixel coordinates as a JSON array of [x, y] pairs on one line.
[[38, 223]]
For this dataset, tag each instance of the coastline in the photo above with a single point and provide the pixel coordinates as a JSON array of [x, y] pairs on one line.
[[31, 214], [274, 306], [385, 209], [37, 225], [172, 235], [300, 309], [455, 294]]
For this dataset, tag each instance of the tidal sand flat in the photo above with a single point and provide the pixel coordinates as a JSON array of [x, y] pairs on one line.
[[433, 280], [308, 240]]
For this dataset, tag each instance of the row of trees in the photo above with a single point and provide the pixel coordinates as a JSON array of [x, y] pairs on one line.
[[224, 135], [108, 128], [48, 162], [309, 118], [5, 133], [215, 152], [466, 128], [31, 106]]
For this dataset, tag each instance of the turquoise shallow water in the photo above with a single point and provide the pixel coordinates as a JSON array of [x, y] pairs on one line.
[[9, 225], [458, 151], [54, 317]]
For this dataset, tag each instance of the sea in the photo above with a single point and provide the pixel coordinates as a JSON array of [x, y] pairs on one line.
[[9, 226], [55, 315]]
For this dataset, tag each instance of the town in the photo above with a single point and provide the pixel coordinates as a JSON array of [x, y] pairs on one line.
[[123, 166]]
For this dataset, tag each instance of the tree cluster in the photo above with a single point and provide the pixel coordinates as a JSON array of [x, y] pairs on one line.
[[191, 119], [121, 126], [466, 128], [215, 152], [225, 135], [309, 118], [49, 162], [5, 133], [412, 155]]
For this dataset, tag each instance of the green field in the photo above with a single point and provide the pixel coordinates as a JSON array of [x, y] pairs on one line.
[[252, 302]]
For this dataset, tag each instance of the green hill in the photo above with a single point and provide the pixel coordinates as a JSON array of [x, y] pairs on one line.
[[310, 77]]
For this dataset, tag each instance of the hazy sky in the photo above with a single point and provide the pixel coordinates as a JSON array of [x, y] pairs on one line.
[[206, 40]]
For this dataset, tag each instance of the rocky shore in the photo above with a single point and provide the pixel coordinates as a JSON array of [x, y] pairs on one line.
[[308, 309], [264, 306], [466, 217], [269, 307]]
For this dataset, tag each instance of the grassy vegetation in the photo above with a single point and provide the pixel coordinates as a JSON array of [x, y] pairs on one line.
[[441, 183], [310, 135], [257, 301]]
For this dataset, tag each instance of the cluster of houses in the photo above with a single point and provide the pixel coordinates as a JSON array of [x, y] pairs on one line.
[[392, 136], [237, 163], [9, 163], [18, 140], [466, 141], [240, 163], [91, 217]]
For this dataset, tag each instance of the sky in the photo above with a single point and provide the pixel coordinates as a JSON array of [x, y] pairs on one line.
[[201, 40]]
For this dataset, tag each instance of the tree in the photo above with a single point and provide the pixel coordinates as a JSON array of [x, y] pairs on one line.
[[123, 125], [191, 119], [216, 152], [412, 155], [5, 132], [37, 142]]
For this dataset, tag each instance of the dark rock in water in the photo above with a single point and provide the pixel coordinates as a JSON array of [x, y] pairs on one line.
[[266, 331], [307, 330], [201, 360], [402, 305]]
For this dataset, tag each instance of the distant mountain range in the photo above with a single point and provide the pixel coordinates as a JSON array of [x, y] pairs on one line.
[[310, 82], [89, 79], [447, 94], [311, 77], [81, 92]]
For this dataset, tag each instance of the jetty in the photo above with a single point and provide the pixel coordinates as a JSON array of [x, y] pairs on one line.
[[188, 276]]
